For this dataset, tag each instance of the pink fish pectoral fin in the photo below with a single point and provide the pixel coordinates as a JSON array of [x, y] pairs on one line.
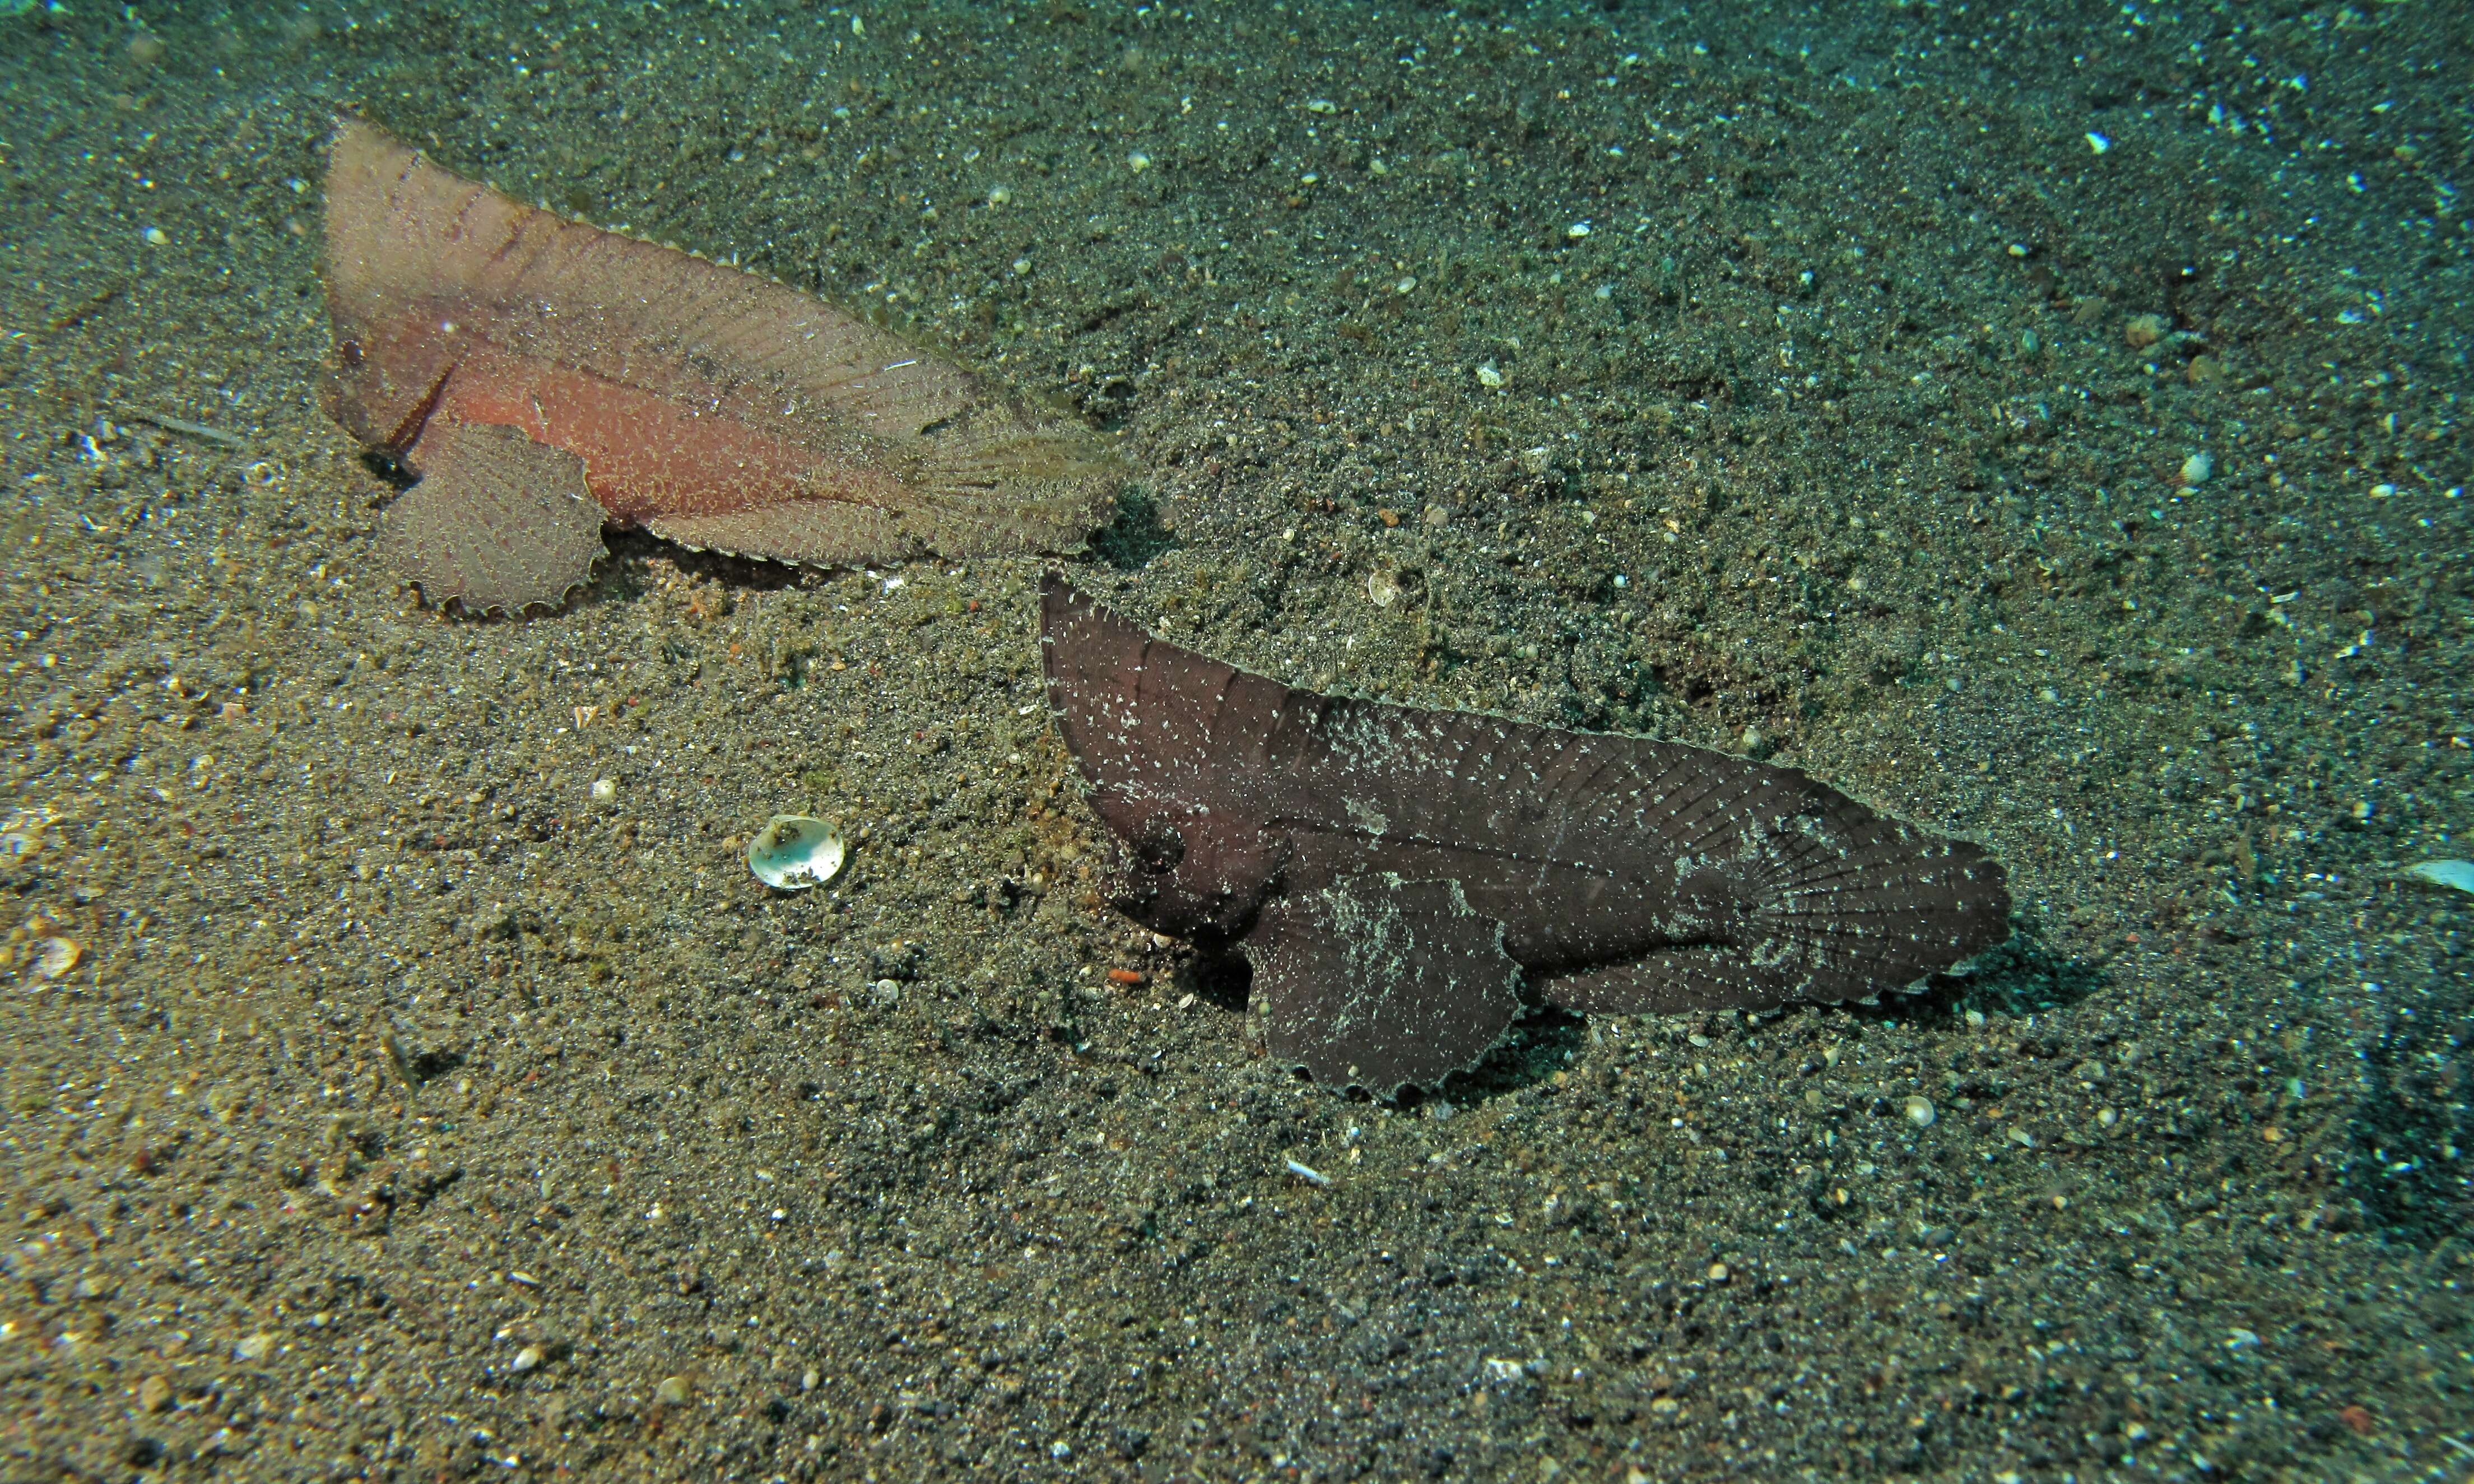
[[1379, 982], [497, 521]]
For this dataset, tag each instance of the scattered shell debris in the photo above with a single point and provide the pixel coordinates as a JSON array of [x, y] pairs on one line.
[[22, 835], [1308, 1173], [41, 949], [794, 852]]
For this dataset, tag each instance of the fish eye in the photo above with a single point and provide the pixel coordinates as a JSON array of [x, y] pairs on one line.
[[1159, 847], [349, 354]]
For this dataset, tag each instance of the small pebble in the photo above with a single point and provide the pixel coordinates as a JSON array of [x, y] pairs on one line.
[[1138, 162], [154, 1393], [2142, 330], [2197, 467], [673, 1392], [1921, 1113], [604, 789], [157, 237], [527, 1358], [1489, 376], [255, 1347], [1718, 1273]]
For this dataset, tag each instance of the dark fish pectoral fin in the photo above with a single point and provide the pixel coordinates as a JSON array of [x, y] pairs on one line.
[[1379, 982], [497, 521]]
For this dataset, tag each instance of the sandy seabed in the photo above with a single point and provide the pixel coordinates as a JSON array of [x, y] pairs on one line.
[[2045, 425]]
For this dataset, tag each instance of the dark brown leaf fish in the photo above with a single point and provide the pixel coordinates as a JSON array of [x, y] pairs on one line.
[[1400, 878], [541, 375]]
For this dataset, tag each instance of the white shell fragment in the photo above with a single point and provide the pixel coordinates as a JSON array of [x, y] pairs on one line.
[[794, 852], [55, 957], [2458, 874]]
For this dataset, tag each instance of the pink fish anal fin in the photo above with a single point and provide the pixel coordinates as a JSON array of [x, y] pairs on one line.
[[1380, 982], [818, 531], [497, 521]]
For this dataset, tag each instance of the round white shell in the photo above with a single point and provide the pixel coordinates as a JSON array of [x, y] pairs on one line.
[[794, 852]]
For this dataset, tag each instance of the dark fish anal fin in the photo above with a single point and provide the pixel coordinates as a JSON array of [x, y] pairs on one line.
[[497, 521], [1674, 982], [1380, 982]]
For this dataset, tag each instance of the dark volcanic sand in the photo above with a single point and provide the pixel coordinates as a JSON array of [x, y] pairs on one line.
[[416, 1112]]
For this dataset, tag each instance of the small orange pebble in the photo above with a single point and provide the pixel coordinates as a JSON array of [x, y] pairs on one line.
[[1126, 977], [2359, 1418]]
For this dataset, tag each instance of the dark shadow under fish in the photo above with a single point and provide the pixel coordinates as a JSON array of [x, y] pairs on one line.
[[1401, 879]]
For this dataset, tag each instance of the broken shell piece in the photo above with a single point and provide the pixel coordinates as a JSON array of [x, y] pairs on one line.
[[56, 957], [22, 835], [794, 852], [2458, 874]]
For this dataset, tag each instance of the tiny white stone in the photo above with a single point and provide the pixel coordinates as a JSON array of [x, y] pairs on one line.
[[156, 237], [604, 789], [1488, 376], [1921, 1113], [1577, 231], [1138, 162]]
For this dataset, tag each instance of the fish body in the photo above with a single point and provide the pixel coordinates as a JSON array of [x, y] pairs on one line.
[[655, 388], [1413, 876]]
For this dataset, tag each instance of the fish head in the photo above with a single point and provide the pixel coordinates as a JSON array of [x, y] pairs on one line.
[[383, 378], [1179, 871]]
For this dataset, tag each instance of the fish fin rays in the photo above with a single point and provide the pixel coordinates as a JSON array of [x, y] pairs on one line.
[[1380, 982], [819, 533], [497, 521]]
